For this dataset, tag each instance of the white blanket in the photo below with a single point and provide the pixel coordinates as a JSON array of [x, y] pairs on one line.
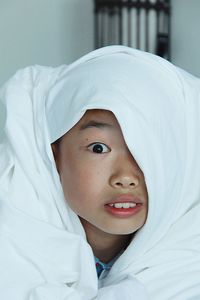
[[44, 254]]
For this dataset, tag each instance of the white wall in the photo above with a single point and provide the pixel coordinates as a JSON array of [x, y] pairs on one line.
[[186, 35], [46, 32], [52, 32]]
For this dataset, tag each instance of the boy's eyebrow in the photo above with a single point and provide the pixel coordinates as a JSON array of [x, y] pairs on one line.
[[96, 124]]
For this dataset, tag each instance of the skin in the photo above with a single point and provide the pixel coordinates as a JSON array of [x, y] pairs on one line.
[[90, 180]]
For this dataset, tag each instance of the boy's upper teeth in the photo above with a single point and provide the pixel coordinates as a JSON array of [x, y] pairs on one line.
[[122, 205]]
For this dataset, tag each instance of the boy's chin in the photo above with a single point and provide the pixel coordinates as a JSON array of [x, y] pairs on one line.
[[114, 231], [118, 230], [108, 229]]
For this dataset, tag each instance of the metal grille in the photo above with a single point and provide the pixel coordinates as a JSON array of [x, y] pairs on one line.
[[142, 24]]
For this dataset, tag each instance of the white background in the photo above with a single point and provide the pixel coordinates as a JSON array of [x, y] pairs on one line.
[[53, 32]]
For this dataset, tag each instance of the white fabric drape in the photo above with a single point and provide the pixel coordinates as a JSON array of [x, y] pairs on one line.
[[44, 253]]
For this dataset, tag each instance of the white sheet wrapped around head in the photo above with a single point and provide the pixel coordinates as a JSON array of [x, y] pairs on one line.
[[157, 107]]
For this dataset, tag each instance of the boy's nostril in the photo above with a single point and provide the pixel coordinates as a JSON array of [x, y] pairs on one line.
[[120, 184]]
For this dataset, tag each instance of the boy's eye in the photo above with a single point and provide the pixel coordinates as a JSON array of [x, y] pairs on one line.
[[98, 148]]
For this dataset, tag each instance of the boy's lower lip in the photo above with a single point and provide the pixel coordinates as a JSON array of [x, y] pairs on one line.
[[123, 212]]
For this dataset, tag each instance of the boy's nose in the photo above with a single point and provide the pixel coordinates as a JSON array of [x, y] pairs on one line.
[[128, 181], [125, 173], [124, 179]]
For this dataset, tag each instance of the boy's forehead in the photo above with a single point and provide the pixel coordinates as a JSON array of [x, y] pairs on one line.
[[95, 118], [98, 115]]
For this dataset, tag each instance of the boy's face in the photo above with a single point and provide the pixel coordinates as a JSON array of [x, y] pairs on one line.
[[99, 175]]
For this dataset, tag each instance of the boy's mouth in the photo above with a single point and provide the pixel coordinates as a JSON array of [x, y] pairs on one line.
[[124, 206]]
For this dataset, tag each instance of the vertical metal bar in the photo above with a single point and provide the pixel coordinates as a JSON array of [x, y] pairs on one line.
[[110, 25], [129, 23], [169, 31], [138, 26], [96, 27], [157, 21], [147, 26], [115, 24], [120, 22], [106, 26], [101, 11], [157, 30], [157, 27]]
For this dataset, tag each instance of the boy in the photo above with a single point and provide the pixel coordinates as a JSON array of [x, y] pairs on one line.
[[82, 110], [102, 183]]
